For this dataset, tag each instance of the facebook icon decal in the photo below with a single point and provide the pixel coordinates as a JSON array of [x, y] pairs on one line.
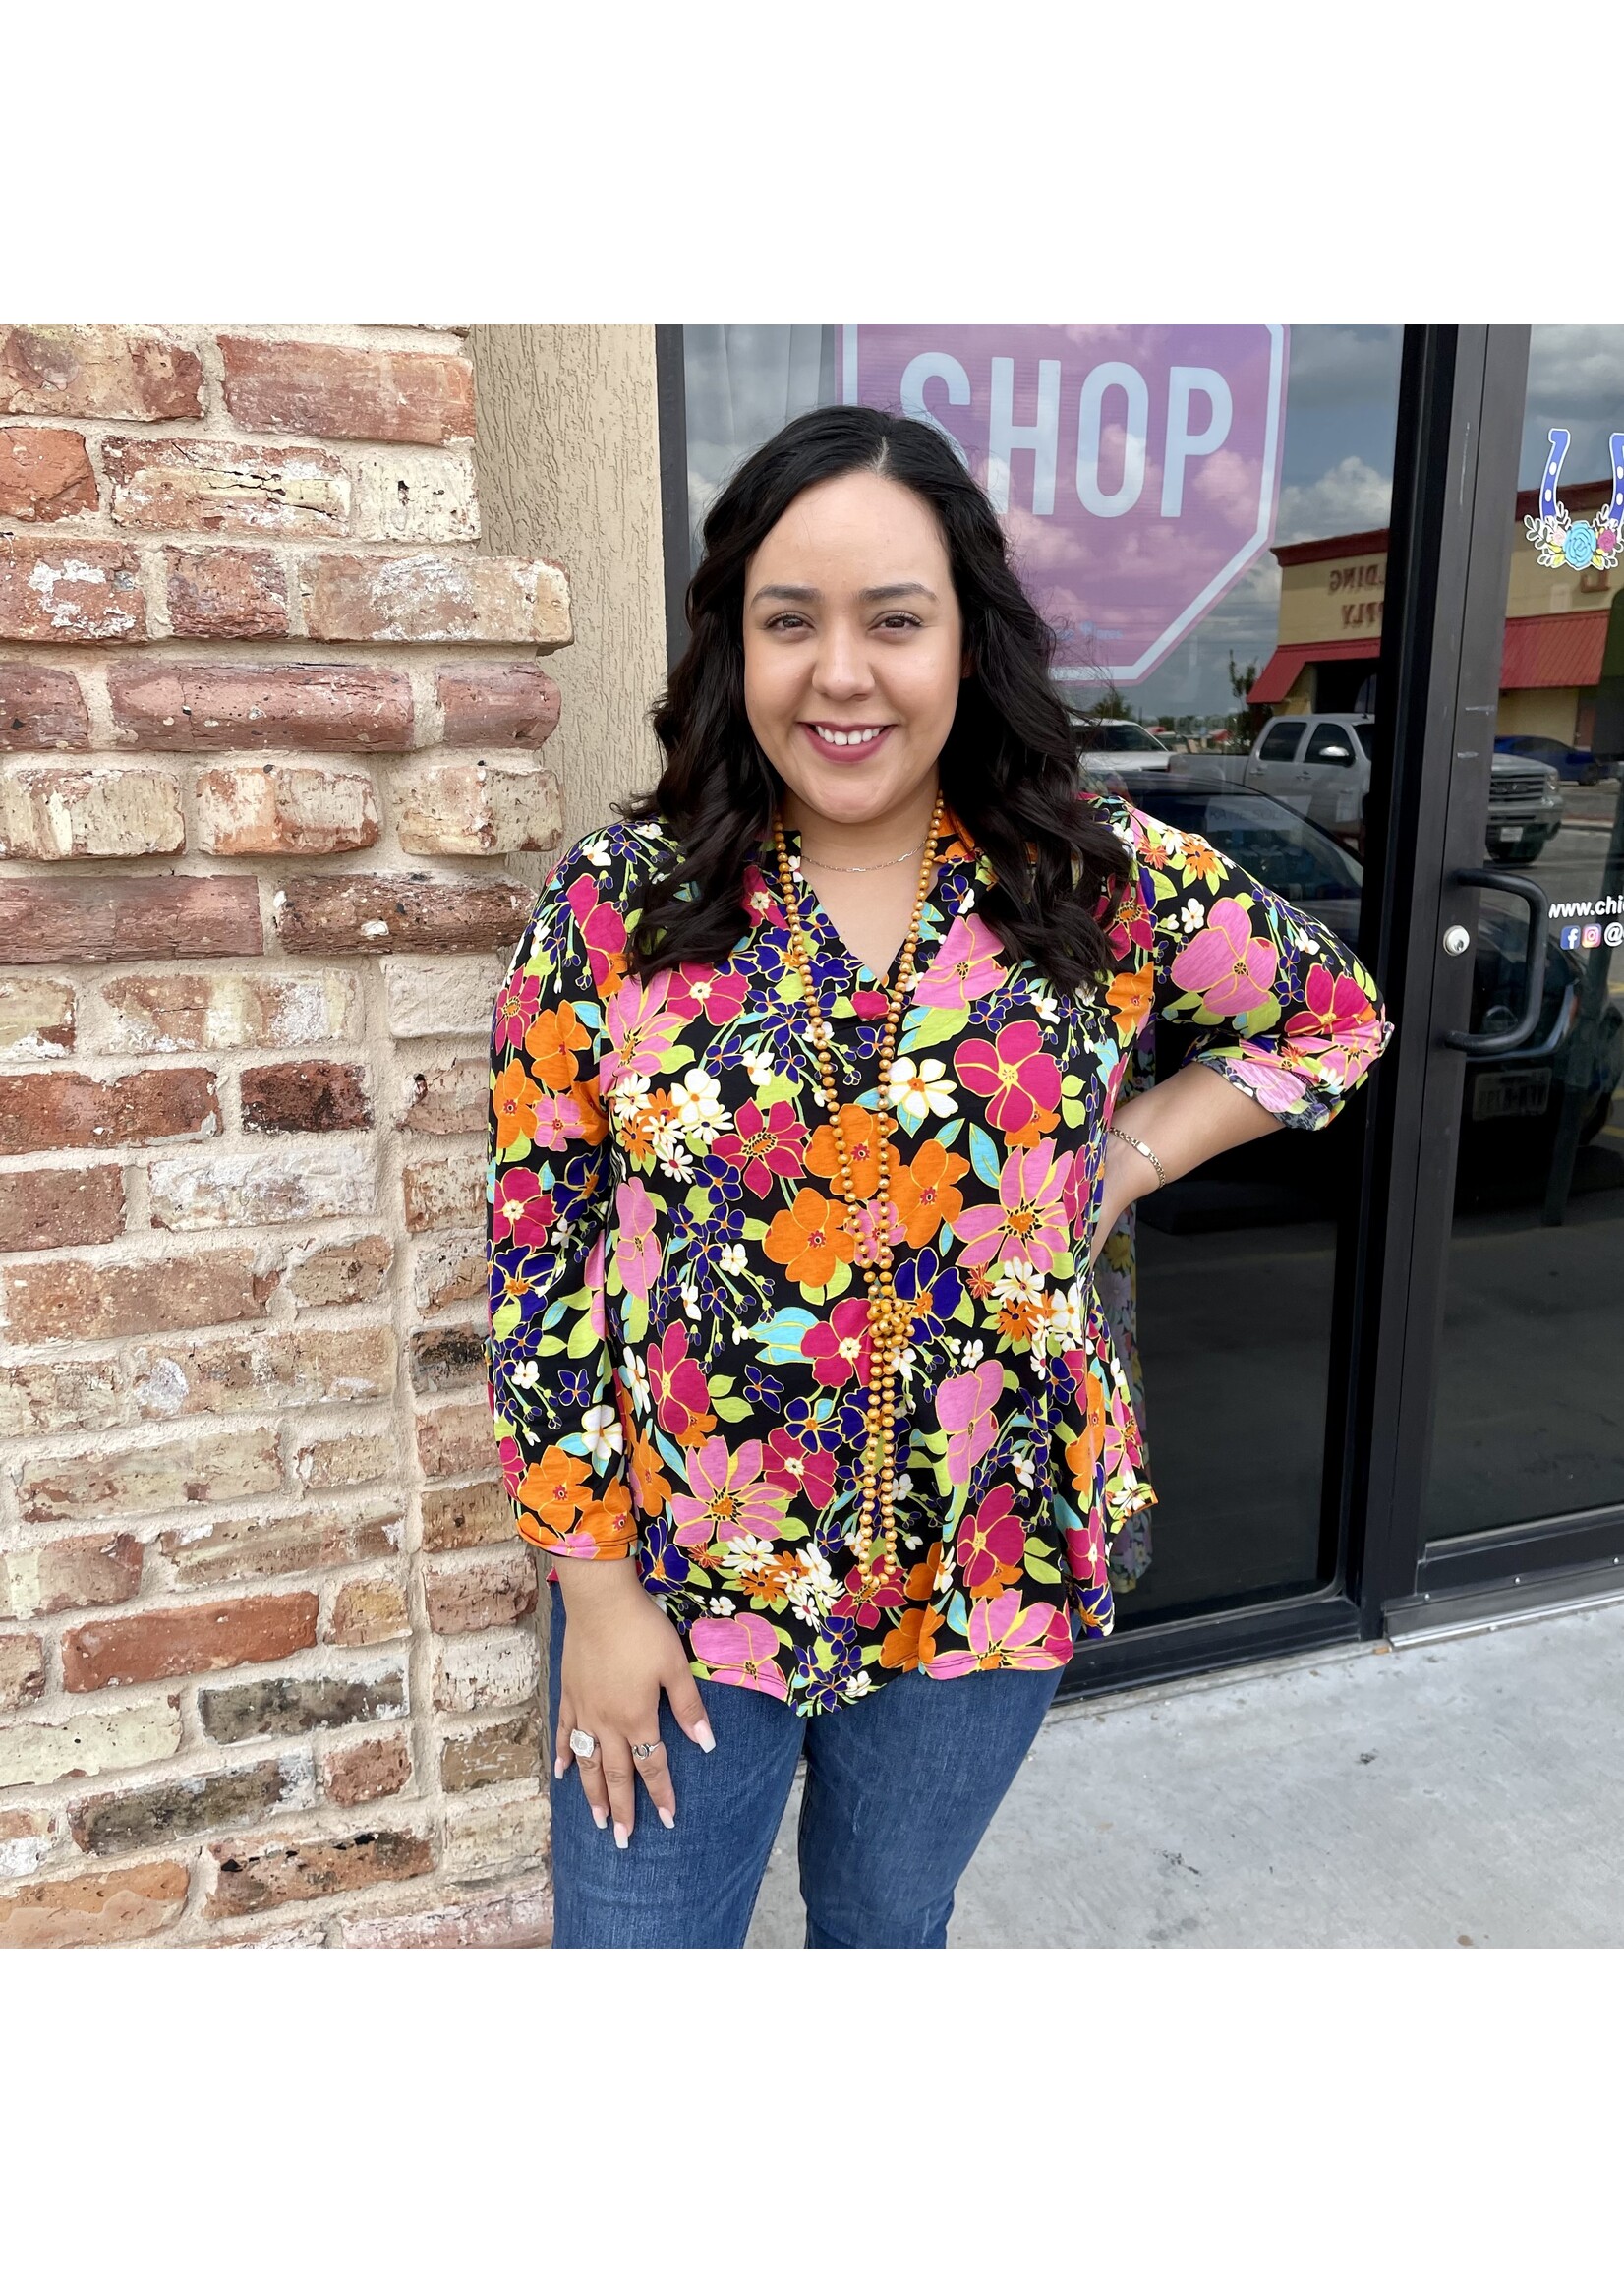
[[1572, 934]]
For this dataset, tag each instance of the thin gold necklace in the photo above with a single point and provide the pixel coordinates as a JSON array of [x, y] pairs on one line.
[[867, 868], [890, 1319]]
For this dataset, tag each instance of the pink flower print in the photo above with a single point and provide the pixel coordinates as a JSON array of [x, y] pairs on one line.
[[762, 904], [523, 1210], [728, 1496], [839, 1344], [637, 1250], [516, 1005], [558, 1120], [513, 1464], [602, 928], [990, 1542], [1336, 1006], [789, 1469], [1004, 1631], [1029, 1223], [764, 1146], [702, 989], [1227, 963], [963, 967], [681, 1394], [1276, 1087], [642, 1027], [739, 1651], [1014, 1071], [964, 1408]]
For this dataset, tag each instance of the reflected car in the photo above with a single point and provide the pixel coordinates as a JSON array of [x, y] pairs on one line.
[[1512, 1105], [1571, 764], [1121, 746]]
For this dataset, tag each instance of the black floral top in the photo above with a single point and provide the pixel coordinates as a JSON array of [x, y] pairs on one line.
[[678, 1347]]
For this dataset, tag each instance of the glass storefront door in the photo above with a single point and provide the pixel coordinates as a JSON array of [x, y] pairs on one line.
[[1529, 1424]]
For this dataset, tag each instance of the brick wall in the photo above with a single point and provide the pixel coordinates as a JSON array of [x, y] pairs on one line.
[[273, 799]]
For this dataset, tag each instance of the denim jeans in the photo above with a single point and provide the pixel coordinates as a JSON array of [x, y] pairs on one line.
[[899, 1788]]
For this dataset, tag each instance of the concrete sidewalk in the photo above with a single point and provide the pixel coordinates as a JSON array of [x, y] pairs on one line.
[[1454, 1792]]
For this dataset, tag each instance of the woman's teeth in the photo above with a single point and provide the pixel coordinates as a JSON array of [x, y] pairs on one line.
[[844, 741]]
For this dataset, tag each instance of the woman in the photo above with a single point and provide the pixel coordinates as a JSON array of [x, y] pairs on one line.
[[808, 1118]]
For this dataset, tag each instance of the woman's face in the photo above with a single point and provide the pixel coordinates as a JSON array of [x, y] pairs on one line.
[[852, 630]]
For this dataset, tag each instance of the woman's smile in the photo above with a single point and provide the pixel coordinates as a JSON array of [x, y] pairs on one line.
[[845, 745]]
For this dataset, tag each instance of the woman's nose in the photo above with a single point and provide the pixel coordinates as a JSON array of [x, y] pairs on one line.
[[841, 669]]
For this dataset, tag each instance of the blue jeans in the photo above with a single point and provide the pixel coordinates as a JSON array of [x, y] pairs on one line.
[[899, 1788]]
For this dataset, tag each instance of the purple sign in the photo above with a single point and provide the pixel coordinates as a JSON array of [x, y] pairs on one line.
[[1135, 467]]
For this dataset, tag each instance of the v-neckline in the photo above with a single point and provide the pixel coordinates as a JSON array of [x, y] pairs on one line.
[[867, 981], [956, 856]]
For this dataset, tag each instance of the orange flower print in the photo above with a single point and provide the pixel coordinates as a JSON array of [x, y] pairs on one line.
[[810, 1240], [911, 1642], [515, 1097], [862, 1147], [594, 1119], [1129, 995], [608, 1522], [552, 1487], [926, 1192], [556, 1040], [650, 1483]]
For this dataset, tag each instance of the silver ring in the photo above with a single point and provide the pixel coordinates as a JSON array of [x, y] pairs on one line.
[[642, 1752], [583, 1744]]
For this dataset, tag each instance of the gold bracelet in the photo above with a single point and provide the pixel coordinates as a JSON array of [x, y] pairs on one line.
[[1139, 1147]]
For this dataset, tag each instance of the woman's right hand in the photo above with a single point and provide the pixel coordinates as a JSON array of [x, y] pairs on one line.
[[620, 1651]]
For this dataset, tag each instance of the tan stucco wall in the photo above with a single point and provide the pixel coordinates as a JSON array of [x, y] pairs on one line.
[[569, 459], [1332, 600]]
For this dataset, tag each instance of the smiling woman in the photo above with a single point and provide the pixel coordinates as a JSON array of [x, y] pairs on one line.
[[804, 1082]]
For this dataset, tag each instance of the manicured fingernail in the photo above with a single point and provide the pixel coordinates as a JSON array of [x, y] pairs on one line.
[[622, 1838], [600, 1816], [558, 1768], [667, 1819], [701, 1734]]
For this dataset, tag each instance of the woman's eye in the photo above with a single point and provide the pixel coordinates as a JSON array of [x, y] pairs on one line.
[[785, 622], [898, 622]]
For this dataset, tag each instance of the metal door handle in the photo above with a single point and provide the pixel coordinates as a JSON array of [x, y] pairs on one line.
[[1490, 880]]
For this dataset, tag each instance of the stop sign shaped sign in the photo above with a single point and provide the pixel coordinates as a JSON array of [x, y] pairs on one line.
[[1136, 468]]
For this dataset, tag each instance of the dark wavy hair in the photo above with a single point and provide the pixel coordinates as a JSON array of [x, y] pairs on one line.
[[1009, 768]]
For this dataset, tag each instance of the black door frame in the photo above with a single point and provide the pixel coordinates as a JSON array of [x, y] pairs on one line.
[[1459, 424]]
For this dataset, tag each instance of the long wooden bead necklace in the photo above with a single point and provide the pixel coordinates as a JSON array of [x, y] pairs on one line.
[[889, 1321]]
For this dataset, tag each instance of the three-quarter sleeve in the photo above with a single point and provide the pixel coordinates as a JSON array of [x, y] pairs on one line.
[[549, 1195], [1274, 1002]]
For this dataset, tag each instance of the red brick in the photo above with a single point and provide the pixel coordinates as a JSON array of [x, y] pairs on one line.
[[21, 1670], [229, 593], [467, 1515], [290, 386], [489, 705], [45, 1112], [439, 1196], [518, 1918], [97, 1907], [253, 1877], [52, 588], [45, 474], [225, 489], [60, 1207], [309, 1093], [183, 1471], [343, 1270], [260, 706], [88, 813], [377, 916], [449, 1269], [126, 920], [352, 1775], [254, 809], [186, 1639], [368, 1610], [230, 1011], [74, 1301], [456, 1440], [42, 709], [461, 1597], [445, 1100], [80, 1574], [488, 805], [231, 1549], [434, 595], [96, 371]]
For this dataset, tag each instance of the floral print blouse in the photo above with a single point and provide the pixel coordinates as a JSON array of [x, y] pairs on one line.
[[678, 1353]]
